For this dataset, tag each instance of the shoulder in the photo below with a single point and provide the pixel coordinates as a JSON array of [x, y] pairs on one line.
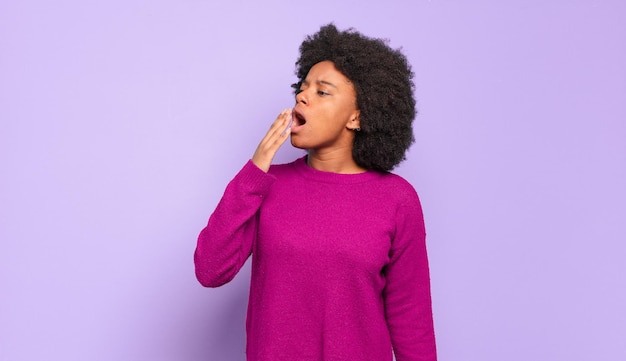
[[398, 186]]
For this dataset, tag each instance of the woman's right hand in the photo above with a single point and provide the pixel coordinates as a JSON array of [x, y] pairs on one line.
[[275, 137]]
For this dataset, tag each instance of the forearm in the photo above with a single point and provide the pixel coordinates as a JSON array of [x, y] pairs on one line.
[[226, 242]]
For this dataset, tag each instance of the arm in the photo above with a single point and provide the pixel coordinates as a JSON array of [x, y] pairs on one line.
[[408, 307], [226, 242]]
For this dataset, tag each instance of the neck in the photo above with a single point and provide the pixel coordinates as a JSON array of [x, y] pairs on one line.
[[334, 161]]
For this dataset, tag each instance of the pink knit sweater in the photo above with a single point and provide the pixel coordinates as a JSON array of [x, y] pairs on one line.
[[339, 265]]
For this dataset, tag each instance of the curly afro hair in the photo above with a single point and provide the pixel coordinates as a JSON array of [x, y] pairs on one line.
[[383, 80]]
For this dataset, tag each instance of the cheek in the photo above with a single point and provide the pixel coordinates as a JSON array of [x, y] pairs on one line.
[[348, 105], [344, 114]]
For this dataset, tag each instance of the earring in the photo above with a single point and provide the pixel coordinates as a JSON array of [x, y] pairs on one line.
[[357, 129]]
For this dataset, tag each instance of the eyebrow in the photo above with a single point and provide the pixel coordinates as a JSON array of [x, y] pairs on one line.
[[324, 82]]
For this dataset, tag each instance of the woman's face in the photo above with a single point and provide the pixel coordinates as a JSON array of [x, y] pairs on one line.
[[325, 114]]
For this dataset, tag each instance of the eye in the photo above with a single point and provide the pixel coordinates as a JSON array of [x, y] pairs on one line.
[[322, 93]]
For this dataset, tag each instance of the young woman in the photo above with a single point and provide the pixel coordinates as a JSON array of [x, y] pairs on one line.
[[339, 264]]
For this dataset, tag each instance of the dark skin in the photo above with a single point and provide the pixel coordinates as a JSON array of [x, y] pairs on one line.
[[325, 119]]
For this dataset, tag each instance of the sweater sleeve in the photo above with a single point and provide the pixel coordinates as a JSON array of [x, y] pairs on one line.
[[408, 306], [226, 242]]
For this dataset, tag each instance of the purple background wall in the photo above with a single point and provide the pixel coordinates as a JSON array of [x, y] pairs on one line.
[[122, 122]]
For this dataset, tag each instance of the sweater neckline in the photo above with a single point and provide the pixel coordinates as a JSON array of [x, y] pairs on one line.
[[310, 173]]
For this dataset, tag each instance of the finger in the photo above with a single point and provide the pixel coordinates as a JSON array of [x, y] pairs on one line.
[[279, 119], [278, 127], [275, 137], [289, 120]]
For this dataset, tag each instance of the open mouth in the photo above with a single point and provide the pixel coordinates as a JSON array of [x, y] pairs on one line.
[[298, 119]]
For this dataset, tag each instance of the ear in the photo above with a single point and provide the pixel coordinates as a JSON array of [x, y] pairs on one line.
[[354, 121]]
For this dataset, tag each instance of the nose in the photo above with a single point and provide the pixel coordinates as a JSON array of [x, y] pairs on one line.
[[301, 98]]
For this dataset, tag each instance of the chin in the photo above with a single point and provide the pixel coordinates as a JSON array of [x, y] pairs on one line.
[[299, 145]]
